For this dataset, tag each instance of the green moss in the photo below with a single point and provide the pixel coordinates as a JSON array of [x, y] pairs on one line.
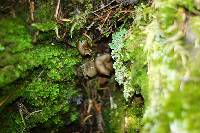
[[124, 118], [45, 10], [45, 26], [48, 56], [43, 76], [162, 64], [51, 98], [14, 36], [173, 90]]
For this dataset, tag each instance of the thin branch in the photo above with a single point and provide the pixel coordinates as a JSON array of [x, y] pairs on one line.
[[57, 9], [104, 6], [31, 9], [105, 19]]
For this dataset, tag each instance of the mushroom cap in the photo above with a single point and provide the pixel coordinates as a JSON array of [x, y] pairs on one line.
[[84, 48], [103, 64], [89, 69]]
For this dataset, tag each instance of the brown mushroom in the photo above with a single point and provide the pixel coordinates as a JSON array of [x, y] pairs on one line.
[[84, 48], [104, 64], [89, 69]]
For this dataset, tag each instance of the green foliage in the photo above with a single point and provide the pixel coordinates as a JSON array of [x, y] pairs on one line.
[[44, 25], [122, 71], [170, 53], [158, 56]]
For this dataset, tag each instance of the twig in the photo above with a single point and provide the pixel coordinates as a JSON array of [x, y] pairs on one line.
[[32, 113], [105, 19], [112, 104], [115, 6], [103, 6], [99, 117], [40, 74], [184, 80], [3, 101], [86, 35], [32, 9], [86, 118], [89, 27], [57, 9], [22, 110], [21, 114], [89, 106], [97, 15]]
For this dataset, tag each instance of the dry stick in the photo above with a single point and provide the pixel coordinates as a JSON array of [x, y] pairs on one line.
[[112, 104], [3, 101], [105, 19], [32, 113], [100, 121], [86, 118], [99, 16], [89, 27], [89, 99], [89, 105], [104, 6], [32, 9], [86, 35], [115, 6], [107, 14], [126, 11], [57, 9]]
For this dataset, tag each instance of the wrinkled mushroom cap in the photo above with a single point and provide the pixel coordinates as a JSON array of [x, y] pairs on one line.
[[89, 69], [103, 64], [84, 48]]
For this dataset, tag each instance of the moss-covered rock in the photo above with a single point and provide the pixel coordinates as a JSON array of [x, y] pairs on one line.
[[37, 82]]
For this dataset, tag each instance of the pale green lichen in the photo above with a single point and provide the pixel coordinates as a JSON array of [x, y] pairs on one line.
[[127, 52], [122, 72]]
